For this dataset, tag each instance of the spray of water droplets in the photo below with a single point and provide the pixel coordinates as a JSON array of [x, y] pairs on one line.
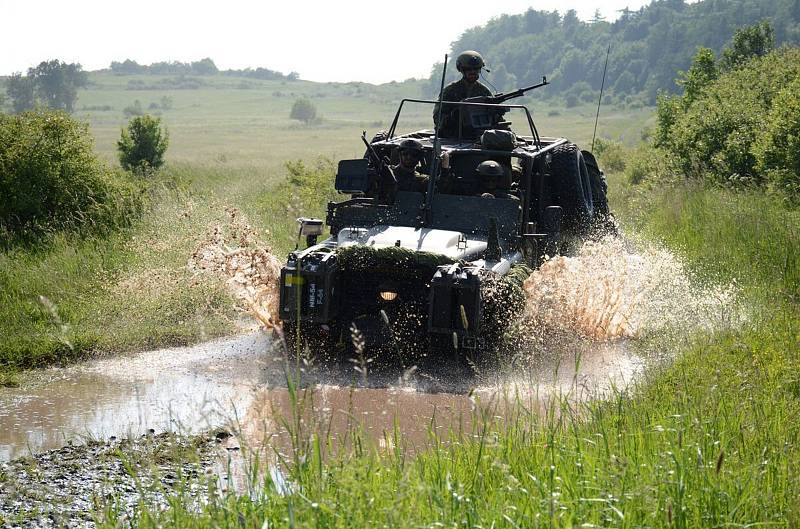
[[607, 292]]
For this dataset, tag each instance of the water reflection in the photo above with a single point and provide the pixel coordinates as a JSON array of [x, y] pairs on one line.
[[241, 384]]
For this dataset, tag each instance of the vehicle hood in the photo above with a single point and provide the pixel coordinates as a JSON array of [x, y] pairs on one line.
[[453, 244]]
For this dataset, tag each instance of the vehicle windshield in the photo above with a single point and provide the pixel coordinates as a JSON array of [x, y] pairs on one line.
[[467, 119]]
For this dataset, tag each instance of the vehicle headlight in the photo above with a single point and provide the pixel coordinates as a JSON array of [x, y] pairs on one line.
[[388, 295]]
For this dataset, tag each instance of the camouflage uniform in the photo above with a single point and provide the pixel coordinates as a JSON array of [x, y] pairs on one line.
[[457, 91], [409, 179]]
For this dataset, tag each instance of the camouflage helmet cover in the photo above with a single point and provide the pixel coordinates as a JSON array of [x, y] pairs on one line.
[[469, 59], [490, 168], [410, 144]]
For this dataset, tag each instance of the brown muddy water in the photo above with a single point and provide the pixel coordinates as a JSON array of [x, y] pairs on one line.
[[241, 384]]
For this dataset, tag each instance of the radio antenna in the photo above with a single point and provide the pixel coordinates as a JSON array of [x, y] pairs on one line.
[[600, 100]]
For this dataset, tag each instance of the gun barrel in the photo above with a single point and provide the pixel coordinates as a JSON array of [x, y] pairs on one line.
[[519, 92]]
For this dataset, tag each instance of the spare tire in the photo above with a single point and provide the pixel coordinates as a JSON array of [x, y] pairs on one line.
[[598, 184], [570, 182]]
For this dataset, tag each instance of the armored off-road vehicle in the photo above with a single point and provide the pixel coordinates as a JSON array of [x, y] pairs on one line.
[[438, 268]]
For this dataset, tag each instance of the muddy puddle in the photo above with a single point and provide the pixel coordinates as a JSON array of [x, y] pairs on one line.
[[584, 317], [241, 384]]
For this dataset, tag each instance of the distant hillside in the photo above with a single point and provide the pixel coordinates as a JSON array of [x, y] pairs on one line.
[[648, 46]]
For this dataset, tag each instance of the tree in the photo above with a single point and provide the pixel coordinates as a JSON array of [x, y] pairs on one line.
[[142, 144], [702, 73], [127, 67], [204, 67], [303, 110], [778, 147], [20, 91], [748, 42], [57, 83]]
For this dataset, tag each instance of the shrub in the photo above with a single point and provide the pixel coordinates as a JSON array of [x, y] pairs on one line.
[[133, 110], [50, 179], [726, 132], [778, 149], [142, 145], [610, 154], [303, 110]]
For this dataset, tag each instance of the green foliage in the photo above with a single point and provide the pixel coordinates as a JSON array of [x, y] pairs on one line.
[[778, 148], [748, 42], [133, 110], [736, 129], [364, 259], [142, 145], [610, 155], [51, 180], [21, 92], [701, 74], [303, 110], [648, 45], [53, 84]]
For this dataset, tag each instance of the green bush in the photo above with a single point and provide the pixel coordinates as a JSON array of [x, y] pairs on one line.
[[610, 154], [303, 110], [142, 145], [738, 128], [50, 179], [778, 148]]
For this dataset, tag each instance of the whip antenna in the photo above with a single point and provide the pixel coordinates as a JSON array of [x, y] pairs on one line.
[[600, 100]]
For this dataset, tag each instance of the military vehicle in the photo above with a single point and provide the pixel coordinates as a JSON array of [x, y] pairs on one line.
[[437, 269]]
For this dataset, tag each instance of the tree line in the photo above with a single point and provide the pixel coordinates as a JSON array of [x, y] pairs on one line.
[[204, 66], [648, 46]]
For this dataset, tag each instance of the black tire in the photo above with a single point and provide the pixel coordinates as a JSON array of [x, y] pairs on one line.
[[598, 184], [605, 224], [572, 188]]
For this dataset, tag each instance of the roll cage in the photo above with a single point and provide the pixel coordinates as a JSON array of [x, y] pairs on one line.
[[461, 105]]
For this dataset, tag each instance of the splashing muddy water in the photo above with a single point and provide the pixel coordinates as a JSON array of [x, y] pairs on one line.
[[607, 292], [583, 318]]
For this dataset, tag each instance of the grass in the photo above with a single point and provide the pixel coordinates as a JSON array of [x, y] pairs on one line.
[[707, 439]]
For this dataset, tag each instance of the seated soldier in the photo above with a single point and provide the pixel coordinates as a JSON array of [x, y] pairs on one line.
[[405, 173], [491, 175]]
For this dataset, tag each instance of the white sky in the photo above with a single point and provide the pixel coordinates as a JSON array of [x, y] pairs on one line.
[[347, 40]]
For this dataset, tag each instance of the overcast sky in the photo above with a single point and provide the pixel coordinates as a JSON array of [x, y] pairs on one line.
[[347, 40]]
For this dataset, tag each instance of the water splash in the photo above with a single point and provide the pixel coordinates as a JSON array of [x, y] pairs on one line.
[[607, 292], [233, 251]]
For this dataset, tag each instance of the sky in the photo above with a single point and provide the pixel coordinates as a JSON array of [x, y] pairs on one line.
[[372, 41]]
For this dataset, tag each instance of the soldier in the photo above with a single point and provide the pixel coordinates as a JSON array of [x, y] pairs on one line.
[[492, 176], [406, 174], [469, 63]]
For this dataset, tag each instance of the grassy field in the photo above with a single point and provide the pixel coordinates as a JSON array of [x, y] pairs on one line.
[[707, 440], [230, 140]]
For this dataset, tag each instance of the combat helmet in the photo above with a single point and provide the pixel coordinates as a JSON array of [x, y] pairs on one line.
[[469, 59], [410, 144], [490, 169]]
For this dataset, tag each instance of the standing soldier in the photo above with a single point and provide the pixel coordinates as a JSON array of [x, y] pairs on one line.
[[469, 63]]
